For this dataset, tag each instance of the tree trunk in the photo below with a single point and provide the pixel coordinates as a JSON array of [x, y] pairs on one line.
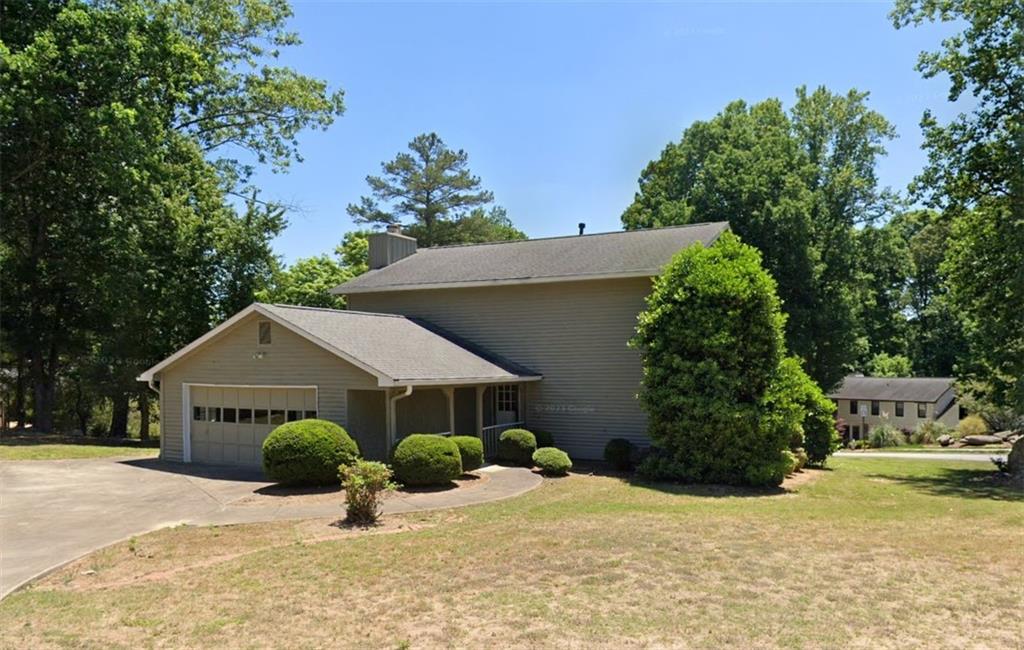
[[144, 415], [43, 392], [18, 411], [119, 415]]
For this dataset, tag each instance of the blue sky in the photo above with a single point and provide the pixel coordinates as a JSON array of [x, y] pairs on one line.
[[560, 106]]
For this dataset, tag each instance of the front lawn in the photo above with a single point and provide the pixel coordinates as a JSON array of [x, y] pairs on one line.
[[47, 447], [872, 553]]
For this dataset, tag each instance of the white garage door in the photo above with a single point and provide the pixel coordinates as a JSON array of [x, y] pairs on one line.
[[229, 423]]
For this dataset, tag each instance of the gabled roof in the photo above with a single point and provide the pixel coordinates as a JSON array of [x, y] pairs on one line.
[[399, 351], [631, 253], [898, 389]]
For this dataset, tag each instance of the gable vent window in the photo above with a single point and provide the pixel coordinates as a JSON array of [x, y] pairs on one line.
[[264, 333]]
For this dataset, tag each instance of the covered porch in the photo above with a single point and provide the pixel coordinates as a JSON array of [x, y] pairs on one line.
[[378, 419]]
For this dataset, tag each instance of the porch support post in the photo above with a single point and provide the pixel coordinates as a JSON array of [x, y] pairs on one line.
[[480, 411], [450, 394]]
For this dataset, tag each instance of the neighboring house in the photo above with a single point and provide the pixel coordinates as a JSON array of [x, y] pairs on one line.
[[470, 339], [904, 402]]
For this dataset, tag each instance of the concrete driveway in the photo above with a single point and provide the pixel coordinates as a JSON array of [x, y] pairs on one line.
[[52, 512]]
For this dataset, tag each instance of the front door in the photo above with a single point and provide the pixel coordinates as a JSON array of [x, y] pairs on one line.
[[506, 404]]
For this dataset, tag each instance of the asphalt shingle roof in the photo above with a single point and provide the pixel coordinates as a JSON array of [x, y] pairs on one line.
[[899, 389], [398, 347], [627, 253]]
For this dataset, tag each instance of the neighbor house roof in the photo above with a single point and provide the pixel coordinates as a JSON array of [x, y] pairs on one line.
[[631, 253], [398, 350], [899, 389]]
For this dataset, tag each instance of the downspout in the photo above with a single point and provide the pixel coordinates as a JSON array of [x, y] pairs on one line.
[[393, 417]]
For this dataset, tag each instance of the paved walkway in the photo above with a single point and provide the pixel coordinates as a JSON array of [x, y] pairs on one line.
[[52, 512], [926, 455]]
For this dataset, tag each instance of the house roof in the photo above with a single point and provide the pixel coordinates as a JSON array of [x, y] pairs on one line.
[[398, 350], [631, 253], [899, 389]]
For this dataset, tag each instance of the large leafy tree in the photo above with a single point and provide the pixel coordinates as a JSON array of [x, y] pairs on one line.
[[975, 175], [124, 122], [793, 185], [431, 191], [711, 343]]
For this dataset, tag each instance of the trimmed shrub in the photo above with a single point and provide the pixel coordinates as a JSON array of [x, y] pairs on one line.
[[544, 439], [619, 453], [366, 482], [885, 435], [517, 446], [801, 458], [972, 425], [307, 452], [928, 432], [426, 459], [720, 404], [471, 449], [552, 461], [790, 463]]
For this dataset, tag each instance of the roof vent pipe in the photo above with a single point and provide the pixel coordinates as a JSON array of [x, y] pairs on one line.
[[582, 227]]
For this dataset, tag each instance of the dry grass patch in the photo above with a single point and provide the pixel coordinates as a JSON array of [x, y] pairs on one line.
[[585, 561]]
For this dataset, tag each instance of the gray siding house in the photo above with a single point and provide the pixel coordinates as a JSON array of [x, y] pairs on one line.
[[468, 340], [904, 402]]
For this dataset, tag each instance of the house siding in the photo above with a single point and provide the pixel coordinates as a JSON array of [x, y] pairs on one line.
[[230, 359], [573, 333], [887, 413]]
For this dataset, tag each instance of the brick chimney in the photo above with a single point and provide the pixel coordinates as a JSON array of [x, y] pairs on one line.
[[389, 246]]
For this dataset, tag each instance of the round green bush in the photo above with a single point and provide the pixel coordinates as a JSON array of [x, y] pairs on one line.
[[552, 461], [619, 453], [426, 459], [544, 439], [517, 446], [471, 449], [307, 452]]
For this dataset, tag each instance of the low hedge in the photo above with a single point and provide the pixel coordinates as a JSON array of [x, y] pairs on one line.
[[619, 453], [471, 449], [516, 446], [552, 461], [426, 459], [307, 452]]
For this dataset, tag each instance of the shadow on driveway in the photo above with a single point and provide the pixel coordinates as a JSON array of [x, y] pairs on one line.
[[216, 472]]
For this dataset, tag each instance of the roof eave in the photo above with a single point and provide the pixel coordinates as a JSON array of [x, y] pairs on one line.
[[341, 289], [459, 381]]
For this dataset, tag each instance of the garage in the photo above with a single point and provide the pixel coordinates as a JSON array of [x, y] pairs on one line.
[[228, 424]]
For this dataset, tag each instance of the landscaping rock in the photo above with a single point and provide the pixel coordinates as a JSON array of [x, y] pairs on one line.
[[945, 440], [1004, 435], [978, 441]]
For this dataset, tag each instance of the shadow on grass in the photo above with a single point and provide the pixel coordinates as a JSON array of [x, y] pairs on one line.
[[687, 489], [34, 439], [969, 483]]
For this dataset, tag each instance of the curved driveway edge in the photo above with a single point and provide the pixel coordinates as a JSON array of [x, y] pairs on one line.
[[54, 512]]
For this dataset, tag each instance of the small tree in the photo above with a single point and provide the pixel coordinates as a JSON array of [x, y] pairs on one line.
[[365, 483], [711, 345]]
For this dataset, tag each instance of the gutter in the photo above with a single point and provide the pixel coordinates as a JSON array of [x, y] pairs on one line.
[[393, 418]]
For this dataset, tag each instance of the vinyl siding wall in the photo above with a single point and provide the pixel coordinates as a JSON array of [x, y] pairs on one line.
[[574, 333], [229, 359]]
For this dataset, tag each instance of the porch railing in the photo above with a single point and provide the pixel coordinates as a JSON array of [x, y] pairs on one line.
[[491, 434]]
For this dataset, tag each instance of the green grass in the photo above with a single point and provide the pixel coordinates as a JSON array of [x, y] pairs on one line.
[[52, 447], [872, 553]]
